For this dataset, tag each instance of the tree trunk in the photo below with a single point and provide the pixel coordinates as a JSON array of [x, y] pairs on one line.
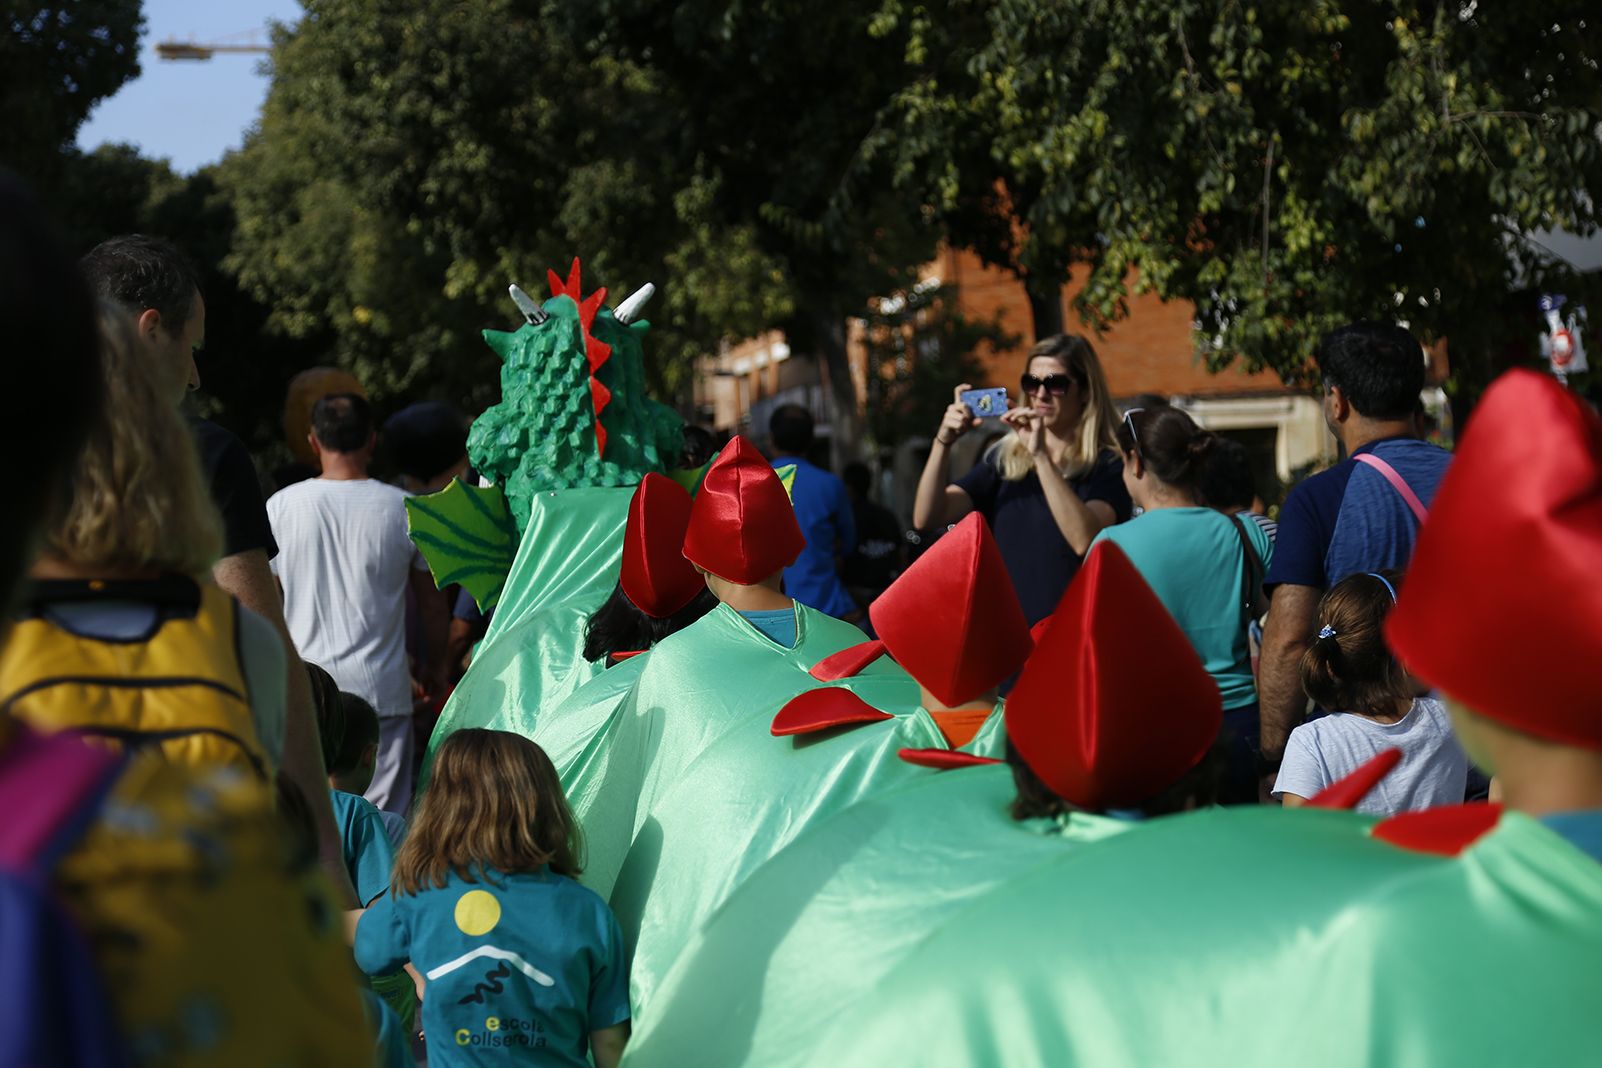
[[820, 331], [1045, 308]]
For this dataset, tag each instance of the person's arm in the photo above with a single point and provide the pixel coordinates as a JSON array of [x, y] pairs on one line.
[[1078, 521], [607, 1045], [937, 502], [1292, 800], [248, 578], [1286, 636], [433, 615]]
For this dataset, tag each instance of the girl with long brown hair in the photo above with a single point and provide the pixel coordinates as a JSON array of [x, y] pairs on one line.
[[516, 954]]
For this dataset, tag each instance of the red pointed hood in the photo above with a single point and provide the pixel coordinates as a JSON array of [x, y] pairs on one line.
[[1113, 706], [742, 527], [655, 574], [952, 619], [1502, 609]]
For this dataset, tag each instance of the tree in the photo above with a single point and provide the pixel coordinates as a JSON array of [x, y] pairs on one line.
[[413, 159], [1285, 165], [57, 60], [773, 103]]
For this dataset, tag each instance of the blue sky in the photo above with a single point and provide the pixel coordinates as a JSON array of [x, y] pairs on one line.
[[190, 112]]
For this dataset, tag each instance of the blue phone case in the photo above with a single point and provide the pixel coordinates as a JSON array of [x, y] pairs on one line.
[[985, 403]]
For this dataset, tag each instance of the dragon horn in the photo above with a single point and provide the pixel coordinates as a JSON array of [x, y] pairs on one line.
[[629, 310], [527, 305]]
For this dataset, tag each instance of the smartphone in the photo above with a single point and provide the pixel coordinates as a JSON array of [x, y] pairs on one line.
[[985, 403]]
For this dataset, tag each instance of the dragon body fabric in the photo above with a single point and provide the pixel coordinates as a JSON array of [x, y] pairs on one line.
[[574, 432]]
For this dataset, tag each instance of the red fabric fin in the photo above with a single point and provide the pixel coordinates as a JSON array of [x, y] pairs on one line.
[[1346, 792], [943, 759], [1445, 831], [619, 657], [818, 710], [847, 662], [555, 280], [596, 352], [589, 306]]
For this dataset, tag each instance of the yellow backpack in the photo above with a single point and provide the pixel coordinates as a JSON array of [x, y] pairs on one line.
[[180, 687], [216, 941]]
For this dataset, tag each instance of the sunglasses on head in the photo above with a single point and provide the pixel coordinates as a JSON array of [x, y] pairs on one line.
[[1056, 385], [1129, 421]]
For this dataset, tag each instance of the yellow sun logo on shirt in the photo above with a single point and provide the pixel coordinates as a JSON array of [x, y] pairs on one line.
[[477, 912]]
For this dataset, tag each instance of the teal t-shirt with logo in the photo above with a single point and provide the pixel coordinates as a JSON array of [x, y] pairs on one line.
[[520, 968]]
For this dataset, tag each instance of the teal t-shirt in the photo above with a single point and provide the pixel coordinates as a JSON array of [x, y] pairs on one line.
[[369, 856], [779, 625], [520, 968], [1191, 558]]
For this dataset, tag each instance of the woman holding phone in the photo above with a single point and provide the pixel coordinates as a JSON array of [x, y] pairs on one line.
[[1047, 488]]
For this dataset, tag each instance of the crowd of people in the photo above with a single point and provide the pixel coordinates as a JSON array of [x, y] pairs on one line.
[[224, 842]]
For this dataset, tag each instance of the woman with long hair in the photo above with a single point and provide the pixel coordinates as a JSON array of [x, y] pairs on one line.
[[1201, 564], [1048, 487], [123, 635]]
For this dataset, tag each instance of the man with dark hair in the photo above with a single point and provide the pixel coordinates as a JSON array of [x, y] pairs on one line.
[[157, 289], [345, 566], [1361, 515], [823, 508]]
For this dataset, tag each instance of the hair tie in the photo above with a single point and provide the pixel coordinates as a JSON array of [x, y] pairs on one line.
[[1388, 587], [1326, 631]]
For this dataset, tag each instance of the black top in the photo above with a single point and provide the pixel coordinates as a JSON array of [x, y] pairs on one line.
[[235, 489], [1036, 554]]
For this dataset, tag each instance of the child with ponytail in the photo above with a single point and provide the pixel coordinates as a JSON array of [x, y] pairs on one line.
[[1349, 667]]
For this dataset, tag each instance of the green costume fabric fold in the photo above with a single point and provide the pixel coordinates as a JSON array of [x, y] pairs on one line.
[[1226, 937], [745, 798], [810, 937], [532, 656]]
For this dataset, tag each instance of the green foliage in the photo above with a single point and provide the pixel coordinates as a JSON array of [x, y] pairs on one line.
[[57, 60], [920, 348], [1286, 165]]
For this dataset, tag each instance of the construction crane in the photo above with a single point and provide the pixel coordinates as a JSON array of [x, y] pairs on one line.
[[247, 42]]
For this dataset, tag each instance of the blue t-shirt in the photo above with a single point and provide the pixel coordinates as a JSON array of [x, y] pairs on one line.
[[1037, 556], [1349, 519], [1192, 559], [1582, 828], [520, 968], [778, 624], [363, 838], [823, 508]]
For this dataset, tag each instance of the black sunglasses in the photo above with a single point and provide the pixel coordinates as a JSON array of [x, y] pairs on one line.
[[1056, 385]]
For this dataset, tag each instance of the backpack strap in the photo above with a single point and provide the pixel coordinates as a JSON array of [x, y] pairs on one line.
[[1398, 483], [1252, 574], [50, 785]]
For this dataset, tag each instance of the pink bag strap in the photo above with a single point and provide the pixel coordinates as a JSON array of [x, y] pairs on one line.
[[1397, 483], [48, 784]]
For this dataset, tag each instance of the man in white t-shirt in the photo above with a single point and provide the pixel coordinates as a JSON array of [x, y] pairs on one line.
[[345, 562]]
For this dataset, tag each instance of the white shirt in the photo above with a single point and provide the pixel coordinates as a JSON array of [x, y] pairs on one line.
[[1433, 770], [344, 561]]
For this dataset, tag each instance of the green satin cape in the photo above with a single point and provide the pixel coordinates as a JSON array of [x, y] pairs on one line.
[[531, 658], [807, 940], [745, 798], [1226, 937]]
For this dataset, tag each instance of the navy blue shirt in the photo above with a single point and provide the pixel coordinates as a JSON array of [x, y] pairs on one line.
[[1349, 519], [1037, 556], [823, 509]]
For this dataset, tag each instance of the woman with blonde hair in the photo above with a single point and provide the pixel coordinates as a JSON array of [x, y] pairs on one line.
[[1048, 487], [122, 636]]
